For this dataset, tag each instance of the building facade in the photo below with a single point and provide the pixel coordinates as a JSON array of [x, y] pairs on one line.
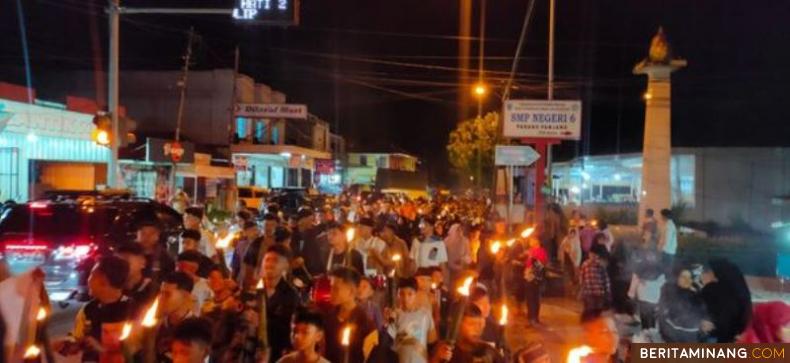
[[362, 167], [46, 146], [726, 185]]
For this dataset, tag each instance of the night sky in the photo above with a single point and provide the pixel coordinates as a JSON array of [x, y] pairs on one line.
[[353, 62]]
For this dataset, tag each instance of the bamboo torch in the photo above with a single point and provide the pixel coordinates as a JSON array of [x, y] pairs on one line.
[[345, 341], [125, 333], [263, 333], [463, 292], [150, 323]]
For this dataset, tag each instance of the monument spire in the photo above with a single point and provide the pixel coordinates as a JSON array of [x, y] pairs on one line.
[[659, 64]]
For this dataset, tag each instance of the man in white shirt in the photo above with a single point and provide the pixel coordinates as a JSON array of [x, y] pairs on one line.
[[370, 247], [668, 243], [430, 251]]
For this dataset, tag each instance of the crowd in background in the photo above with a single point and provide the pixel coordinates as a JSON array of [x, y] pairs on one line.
[[388, 279]]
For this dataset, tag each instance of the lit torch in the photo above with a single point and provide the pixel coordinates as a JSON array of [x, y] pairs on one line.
[[350, 234], [149, 324], [42, 314], [501, 328], [393, 279], [460, 308], [527, 232], [576, 354], [125, 333], [345, 341], [221, 245], [510, 242], [32, 354], [495, 247]]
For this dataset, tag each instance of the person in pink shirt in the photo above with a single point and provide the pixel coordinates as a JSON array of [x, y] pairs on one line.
[[534, 273]]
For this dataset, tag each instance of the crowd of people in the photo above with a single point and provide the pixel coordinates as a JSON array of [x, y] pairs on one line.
[[393, 280]]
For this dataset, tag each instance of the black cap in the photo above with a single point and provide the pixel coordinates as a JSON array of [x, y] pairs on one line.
[[191, 234], [332, 225], [182, 281], [347, 274], [148, 222], [194, 330], [408, 283], [115, 269], [190, 256], [368, 222], [423, 271], [303, 213], [194, 211], [131, 248], [281, 234]]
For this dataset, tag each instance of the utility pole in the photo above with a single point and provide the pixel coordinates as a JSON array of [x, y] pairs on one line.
[[112, 92], [183, 83], [550, 93], [481, 56], [182, 97]]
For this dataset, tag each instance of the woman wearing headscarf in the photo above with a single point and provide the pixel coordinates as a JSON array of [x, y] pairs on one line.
[[458, 256], [770, 324], [681, 311], [727, 300]]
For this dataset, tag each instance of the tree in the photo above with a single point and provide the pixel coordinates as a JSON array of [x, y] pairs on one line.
[[472, 144]]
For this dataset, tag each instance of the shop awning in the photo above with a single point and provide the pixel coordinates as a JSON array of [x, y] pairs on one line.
[[206, 171]]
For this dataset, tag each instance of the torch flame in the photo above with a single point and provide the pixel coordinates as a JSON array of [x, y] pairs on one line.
[[576, 354], [503, 316], [224, 242], [32, 351], [396, 257], [127, 330], [510, 242], [495, 247], [346, 340], [464, 289], [260, 285], [42, 314], [527, 232], [433, 286], [350, 234], [149, 319]]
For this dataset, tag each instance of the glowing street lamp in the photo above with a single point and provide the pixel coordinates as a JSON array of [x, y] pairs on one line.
[[479, 90]]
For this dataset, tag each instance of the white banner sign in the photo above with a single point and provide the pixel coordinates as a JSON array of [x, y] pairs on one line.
[[543, 119], [515, 155], [271, 110]]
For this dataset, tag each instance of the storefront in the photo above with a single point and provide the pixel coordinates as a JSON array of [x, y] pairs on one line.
[[275, 166], [44, 146]]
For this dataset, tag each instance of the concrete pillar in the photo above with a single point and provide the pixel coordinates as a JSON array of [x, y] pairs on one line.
[[657, 148]]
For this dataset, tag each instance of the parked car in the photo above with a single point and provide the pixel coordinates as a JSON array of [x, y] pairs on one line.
[[64, 236]]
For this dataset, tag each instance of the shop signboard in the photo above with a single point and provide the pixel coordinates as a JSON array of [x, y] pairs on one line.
[[271, 110], [542, 119], [169, 151], [324, 166]]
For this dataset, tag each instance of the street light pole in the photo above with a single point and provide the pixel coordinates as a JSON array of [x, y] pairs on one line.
[[112, 92], [550, 94]]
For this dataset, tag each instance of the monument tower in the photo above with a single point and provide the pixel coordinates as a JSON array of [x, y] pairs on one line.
[[657, 148]]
